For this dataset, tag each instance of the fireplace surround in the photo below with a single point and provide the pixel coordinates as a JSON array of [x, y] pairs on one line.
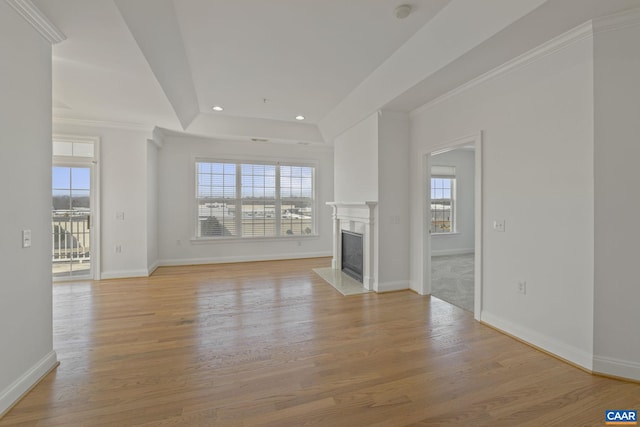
[[356, 217]]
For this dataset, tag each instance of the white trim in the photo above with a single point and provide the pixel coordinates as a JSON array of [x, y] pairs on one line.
[[423, 286], [568, 352], [94, 165], [617, 21], [358, 217], [124, 274], [550, 47], [616, 367], [243, 258], [445, 252], [102, 124], [252, 240], [392, 286], [260, 160], [153, 267], [157, 136], [16, 390], [38, 20]]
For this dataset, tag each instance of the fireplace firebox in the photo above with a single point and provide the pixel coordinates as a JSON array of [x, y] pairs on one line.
[[352, 254]]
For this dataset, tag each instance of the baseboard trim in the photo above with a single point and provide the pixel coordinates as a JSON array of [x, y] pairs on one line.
[[392, 286], [245, 258], [616, 368], [153, 267], [445, 252], [10, 396], [569, 354], [124, 274]]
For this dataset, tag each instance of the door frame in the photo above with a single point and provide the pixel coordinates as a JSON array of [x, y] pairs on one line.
[[94, 166], [474, 139]]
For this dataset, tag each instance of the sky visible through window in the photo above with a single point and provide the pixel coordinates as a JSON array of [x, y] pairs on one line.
[[66, 178], [440, 188]]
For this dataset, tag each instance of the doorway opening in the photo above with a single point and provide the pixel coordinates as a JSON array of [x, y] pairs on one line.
[[452, 223], [74, 219]]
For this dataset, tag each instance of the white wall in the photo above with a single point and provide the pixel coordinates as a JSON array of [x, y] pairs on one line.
[[537, 124], [152, 206], [26, 343], [177, 202], [356, 162], [392, 223], [123, 181], [463, 240], [371, 165], [617, 175]]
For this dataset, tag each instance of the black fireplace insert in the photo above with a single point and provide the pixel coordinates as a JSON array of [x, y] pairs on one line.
[[352, 254]]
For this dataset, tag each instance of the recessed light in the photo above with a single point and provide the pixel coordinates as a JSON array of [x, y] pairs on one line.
[[299, 117], [217, 108], [402, 11]]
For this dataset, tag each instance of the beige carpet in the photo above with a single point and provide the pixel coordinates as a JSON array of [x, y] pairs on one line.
[[344, 284]]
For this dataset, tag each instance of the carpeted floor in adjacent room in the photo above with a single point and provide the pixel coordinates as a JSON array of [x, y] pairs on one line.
[[452, 279]]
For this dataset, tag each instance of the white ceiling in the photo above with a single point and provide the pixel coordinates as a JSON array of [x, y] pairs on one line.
[[167, 62]]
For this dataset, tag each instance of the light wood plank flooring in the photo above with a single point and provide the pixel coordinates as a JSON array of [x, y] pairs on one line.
[[272, 344]]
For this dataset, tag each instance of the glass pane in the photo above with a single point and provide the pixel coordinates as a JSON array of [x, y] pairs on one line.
[[80, 178], [230, 168], [71, 233], [216, 219], [216, 199], [297, 217], [204, 167], [80, 200], [258, 219], [62, 148], [82, 149], [61, 178]]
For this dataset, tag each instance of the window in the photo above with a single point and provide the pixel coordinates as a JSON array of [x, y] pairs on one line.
[[246, 200], [443, 187]]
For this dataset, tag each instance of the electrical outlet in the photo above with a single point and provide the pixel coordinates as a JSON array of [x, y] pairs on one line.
[[499, 225], [118, 249], [522, 287]]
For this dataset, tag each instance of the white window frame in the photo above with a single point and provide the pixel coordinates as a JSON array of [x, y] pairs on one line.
[[243, 161], [445, 172], [94, 163]]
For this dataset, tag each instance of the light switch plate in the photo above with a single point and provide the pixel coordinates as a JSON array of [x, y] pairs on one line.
[[26, 238]]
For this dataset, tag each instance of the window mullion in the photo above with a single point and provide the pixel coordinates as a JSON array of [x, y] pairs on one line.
[[239, 199], [278, 203]]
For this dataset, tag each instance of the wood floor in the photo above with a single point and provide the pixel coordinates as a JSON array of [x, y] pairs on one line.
[[271, 344]]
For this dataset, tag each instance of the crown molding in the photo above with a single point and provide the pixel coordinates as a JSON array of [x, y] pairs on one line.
[[157, 137], [101, 124], [37, 20], [550, 47], [617, 21]]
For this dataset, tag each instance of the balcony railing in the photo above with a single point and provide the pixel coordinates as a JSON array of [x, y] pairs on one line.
[[71, 236]]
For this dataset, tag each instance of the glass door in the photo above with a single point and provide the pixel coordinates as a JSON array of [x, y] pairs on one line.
[[71, 222]]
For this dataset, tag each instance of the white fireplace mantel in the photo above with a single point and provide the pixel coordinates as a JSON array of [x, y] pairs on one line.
[[357, 217]]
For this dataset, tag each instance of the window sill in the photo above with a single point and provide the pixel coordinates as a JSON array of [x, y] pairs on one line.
[[455, 233], [210, 240]]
